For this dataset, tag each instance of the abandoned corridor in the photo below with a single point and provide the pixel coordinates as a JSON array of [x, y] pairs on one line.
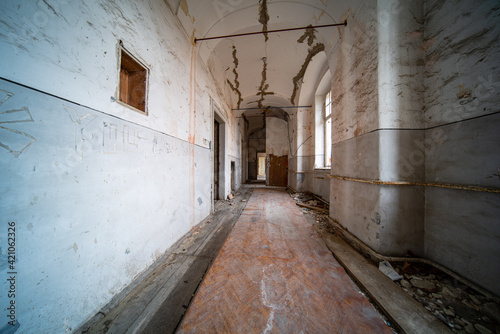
[[275, 274]]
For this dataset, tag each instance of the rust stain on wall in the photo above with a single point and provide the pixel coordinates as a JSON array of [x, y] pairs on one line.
[[463, 92], [296, 79]]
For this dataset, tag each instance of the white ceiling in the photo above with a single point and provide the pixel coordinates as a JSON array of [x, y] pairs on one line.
[[284, 55]]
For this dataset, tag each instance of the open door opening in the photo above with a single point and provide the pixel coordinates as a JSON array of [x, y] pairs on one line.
[[261, 166], [216, 160], [233, 176], [219, 186]]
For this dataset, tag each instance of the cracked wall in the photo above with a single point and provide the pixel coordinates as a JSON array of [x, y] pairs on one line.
[[461, 142], [94, 195]]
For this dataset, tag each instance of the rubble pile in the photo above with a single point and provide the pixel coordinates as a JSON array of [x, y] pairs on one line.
[[463, 309]]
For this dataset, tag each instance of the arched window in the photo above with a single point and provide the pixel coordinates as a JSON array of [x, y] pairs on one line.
[[327, 123], [323, 123]]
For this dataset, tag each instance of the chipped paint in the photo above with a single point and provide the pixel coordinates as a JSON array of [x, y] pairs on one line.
[[263, 17], [263, 85], [310, 34], [296, 79], [185, 8]]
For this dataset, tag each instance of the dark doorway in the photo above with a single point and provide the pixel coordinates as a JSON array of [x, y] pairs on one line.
[[216, 160], [233, 175]]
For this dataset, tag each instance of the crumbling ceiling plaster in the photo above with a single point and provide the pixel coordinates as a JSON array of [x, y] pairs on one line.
[[266, 69]]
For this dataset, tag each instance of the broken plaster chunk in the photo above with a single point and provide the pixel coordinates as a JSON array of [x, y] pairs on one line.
[[405, 284], [389, 271], [482, 329], [470, 329], [492, 310], [449, 312], [423, 284], [230, 196], [447, 291], [475, 300]]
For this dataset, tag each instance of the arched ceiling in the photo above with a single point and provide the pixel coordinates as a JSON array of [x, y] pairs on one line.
[[262, 70]]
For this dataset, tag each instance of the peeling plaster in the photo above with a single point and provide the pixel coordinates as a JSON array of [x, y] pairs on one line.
[[296, 79], [263, 85], [236, 87], [263, 17], [309, 34], [184, 6]]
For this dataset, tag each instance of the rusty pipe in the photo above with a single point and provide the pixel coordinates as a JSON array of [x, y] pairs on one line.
[[271, 31]]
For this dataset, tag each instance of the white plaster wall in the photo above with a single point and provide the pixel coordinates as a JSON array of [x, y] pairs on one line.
[[377, 69], [462, 140], [102, 191], [400, 64], [462, 68], [276, 137], [94, 204], [353, 63]]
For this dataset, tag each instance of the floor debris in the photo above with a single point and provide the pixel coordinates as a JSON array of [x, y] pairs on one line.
[[458, 306], [389, 271], [275, 274], [461, 308]]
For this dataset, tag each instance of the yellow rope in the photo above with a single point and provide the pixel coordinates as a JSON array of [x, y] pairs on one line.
[[406, 183]]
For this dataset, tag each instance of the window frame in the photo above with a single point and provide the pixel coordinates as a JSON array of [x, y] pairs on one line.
[[327, 117], [135, 62]]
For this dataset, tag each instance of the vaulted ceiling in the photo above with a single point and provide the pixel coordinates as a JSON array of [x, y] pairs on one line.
[[263, 69]]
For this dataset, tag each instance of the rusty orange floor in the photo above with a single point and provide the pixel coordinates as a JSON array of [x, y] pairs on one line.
[[274, 274]]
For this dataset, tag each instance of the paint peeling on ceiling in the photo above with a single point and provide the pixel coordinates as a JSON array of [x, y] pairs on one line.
[[310, 34], [262, 92], [298, 78], [185, 8], [236, 87], [263, 17], [288, 54]]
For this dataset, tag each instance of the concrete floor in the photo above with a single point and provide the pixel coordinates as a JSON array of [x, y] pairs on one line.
[[275, 274]]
